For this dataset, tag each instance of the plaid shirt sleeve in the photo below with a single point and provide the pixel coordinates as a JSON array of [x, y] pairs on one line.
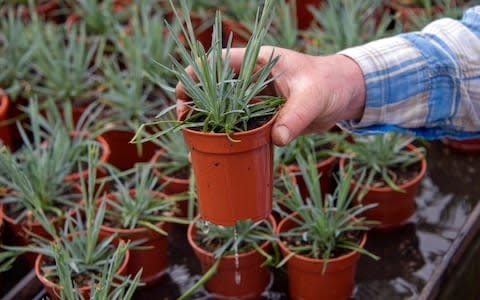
[[425, 83]]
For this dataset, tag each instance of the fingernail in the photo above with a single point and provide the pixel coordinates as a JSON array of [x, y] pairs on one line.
[[283, 134]]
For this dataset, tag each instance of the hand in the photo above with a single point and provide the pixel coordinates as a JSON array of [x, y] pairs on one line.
[[320, 91]]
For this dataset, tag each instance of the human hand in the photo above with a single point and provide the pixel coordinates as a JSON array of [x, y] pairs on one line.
[[320, 91]]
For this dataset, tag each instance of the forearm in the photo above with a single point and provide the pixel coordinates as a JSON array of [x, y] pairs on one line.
[[426, 82]]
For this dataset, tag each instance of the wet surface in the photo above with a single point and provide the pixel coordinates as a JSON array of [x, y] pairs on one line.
[[409, 255]]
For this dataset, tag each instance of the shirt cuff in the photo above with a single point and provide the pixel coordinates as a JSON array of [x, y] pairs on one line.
[[380, 61]]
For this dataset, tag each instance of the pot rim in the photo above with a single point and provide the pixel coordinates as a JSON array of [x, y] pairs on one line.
[[210, 255], [105, 154], [159, 174], [234, 134], [136, 230], [325, 162], [4, 104], [55, 287], [409, 183], [346, 256]]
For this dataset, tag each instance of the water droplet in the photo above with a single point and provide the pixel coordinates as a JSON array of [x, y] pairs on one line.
[[238, 277], [305, 236], [206, 227]]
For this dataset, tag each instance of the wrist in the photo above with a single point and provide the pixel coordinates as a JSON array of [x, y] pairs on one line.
[[354, 83]]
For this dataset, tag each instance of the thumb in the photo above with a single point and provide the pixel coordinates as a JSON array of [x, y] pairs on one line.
[[293, 119]]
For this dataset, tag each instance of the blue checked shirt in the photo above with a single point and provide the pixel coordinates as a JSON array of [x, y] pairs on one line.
[[425, 83]]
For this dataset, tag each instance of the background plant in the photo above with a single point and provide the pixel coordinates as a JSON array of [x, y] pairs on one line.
[[142, 208], [16, 74], [378, 156], [347, 23], [323, 225]]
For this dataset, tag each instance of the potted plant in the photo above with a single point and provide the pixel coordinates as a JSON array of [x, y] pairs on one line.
[[18, 75], [393, 170], [139, 213], [285, 31], [68, 63], [109, 285], [100, 17], [415, 14], [132, 98], [323, 145], [232, 160], [79, 242], [171, 165], [323, 239], [304, 11], [41, 176], [358, 26], [233, 258]]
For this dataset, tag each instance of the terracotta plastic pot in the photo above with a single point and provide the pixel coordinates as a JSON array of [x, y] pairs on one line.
[[237, 29], [233, 179], [248, 281], [21, 236], [304, 16], [393, 208], [324, 167], [465, 146], [4, 129], [305, 278], [172, 185], [54, 289], [154, 260], [124, 154]]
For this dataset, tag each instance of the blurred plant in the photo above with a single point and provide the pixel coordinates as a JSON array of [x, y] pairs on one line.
[[323, 145], [426, 16], [100, 17], [377, 157], [284, 31], [34, 175], [323, 226], [142, 207], [79, 243], [340, 24], [16, 54], [147, 39], [106, 287], [68, 63]]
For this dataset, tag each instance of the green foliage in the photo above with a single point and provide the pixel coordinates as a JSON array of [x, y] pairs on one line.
[[284, 31], [34, 175], [323, 225], [148, 40], [341, 24], [447, 10], [98, 16], [376, 156], [68, 63], [144, 207], [323, 145], [16, 52]]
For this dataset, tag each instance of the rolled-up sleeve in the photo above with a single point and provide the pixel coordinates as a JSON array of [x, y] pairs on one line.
[[425, 83]]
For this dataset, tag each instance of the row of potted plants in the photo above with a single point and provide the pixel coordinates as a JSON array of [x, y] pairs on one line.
[[325, 220]]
